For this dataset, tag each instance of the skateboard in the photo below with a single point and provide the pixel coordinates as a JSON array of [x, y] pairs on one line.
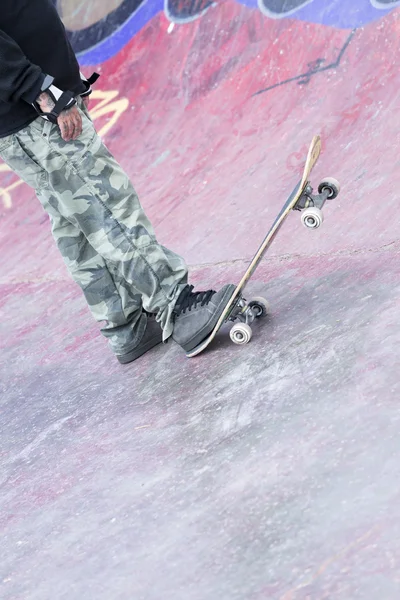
[[301, 199]]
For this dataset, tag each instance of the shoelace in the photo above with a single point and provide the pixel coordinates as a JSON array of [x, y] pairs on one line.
[[188, 299]]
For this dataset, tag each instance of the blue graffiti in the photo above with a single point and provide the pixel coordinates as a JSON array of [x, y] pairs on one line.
[[343, 14], [107, 37]]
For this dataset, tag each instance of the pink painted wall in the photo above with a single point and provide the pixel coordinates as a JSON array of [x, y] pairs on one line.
[[212, 118]]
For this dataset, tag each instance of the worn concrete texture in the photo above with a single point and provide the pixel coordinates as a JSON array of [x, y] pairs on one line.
[[264, 472]]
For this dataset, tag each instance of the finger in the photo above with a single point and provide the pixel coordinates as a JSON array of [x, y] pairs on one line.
[[80, 125], [65, 130], [77, 126], [72, 127]]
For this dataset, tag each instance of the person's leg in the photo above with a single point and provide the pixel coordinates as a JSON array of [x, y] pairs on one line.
[[110, 300], [87, 186], [82, 182]]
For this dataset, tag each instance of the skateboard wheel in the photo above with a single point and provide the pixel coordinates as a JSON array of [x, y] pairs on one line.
[[241, 333], [312, 217], [332, 185], [259, 306]]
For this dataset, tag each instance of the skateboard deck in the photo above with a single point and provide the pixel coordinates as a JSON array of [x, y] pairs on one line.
[[301, 198]]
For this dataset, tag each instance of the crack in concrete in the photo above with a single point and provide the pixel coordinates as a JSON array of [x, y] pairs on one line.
[[391, 246]]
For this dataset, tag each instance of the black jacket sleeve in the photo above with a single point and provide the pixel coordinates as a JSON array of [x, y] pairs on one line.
[[19, 78]]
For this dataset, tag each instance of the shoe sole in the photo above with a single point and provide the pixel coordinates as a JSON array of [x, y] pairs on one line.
[[155, 338], [139, 351]]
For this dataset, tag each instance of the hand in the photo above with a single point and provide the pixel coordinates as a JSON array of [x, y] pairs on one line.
[[70, 123], [86, 101], [69, 120]]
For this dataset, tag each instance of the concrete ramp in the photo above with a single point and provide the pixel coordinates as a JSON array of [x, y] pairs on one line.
[[264, 472]]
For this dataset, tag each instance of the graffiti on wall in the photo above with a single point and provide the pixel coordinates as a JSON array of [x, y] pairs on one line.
[[98, 30], [316, 66]]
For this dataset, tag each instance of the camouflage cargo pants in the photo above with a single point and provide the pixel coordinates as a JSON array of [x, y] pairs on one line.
[[105, 238]]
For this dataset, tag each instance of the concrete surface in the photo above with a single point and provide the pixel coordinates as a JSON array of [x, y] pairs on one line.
[[265, 472]]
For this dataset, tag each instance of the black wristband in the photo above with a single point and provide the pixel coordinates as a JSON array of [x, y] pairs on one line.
[[62, 100]]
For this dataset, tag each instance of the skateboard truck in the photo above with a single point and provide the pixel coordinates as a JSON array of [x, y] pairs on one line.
[[246, 312], [312, 204]]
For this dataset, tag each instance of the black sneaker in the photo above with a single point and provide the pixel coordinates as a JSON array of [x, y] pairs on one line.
[[151, 337], [196, 314], [277, 9]]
